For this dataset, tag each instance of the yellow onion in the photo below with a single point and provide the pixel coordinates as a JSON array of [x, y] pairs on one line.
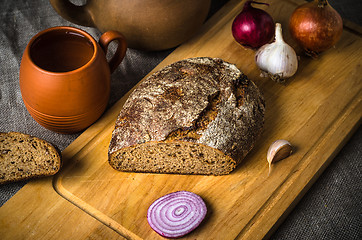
[[316, 26]]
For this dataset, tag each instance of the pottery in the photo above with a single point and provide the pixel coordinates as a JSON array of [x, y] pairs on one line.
[[146, 24], [65, 77]]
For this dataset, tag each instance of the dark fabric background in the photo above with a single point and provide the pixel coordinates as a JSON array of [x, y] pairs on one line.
[[331, 209]]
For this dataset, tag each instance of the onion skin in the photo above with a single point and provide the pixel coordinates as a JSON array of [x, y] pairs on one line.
[[316, 26], [253, 27]]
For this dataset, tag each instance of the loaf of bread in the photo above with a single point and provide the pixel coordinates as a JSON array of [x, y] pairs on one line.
[[195, 116], [23, 156]]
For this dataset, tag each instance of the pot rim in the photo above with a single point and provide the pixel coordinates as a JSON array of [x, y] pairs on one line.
[[60, 28]]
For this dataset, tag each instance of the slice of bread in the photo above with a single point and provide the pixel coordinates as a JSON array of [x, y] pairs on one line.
[[23, 157]]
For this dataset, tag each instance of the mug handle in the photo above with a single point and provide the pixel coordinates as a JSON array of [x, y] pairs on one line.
[[118, 56], [76, 14]]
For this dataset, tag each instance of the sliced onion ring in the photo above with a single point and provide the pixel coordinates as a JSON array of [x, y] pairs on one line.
[[176, 214]]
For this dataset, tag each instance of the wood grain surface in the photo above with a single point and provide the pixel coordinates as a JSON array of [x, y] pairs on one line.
[[316, 111]]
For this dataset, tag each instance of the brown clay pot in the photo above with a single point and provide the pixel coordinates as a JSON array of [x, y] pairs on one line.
[[65, 77], [146, 24]]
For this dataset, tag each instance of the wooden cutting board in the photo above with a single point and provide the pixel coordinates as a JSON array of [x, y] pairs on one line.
[[316, 111]]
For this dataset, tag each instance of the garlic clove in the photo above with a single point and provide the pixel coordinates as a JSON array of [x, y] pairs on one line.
[[278, 60], [278, 150]]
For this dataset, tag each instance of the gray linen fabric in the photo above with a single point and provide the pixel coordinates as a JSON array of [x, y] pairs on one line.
[[330, 210]]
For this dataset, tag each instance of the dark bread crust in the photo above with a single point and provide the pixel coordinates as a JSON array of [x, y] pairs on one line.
[[203, 101], [23, 157]]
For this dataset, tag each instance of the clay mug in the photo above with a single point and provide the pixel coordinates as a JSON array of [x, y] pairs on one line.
[[146, 24], [65, 77]]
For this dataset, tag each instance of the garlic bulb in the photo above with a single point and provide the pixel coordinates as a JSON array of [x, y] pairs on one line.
[[277, 60]]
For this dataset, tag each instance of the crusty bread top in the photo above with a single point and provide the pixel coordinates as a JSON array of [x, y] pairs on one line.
[[176, 99]]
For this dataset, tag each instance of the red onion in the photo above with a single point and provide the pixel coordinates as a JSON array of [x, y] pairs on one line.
[[316, 26], [253, 27], [176, 214]]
